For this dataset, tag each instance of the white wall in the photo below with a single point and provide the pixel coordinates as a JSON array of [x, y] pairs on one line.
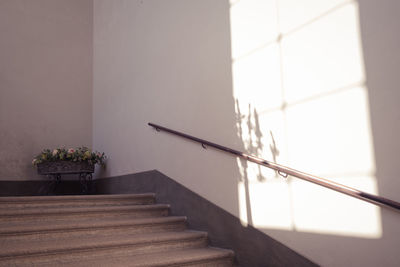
[[45, 80], [311, 84], [165, 62]]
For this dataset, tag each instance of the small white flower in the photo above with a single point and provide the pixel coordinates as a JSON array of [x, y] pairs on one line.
[[71, 150], [55, 151]]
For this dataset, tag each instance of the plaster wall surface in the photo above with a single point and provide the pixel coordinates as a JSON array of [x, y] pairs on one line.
[[45, 80], [165, 62], [312, 84]]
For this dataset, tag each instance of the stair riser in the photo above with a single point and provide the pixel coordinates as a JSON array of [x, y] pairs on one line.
[[82, 233], [77, 203], [77, 216], [100, 230], [69, 256]]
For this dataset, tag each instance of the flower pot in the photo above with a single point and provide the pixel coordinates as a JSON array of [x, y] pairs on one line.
[[64, 167]]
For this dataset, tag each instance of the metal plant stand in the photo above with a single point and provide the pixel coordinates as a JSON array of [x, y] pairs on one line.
[[54, 169], [85, 180]]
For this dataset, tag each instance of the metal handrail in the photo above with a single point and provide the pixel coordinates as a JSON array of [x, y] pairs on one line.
[[285, 171]]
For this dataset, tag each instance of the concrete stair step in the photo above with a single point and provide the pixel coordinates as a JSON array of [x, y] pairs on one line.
[[102, 245], [75, 200], [100, 230], [25, 231], [187, 257], [57, 213]]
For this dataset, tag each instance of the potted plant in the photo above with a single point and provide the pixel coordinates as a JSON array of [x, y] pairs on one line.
[[68, 161], [59, 161]]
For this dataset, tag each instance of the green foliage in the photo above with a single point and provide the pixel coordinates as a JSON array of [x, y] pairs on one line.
[[73, 154]]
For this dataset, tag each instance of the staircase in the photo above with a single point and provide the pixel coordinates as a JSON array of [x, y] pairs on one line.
[[100, 230]]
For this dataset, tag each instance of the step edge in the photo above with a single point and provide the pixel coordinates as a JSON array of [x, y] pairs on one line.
[[14, 199], [73, 210], [131, 222], [114, 244]]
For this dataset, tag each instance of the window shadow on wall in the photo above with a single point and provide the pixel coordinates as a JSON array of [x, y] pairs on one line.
[[307, 83]]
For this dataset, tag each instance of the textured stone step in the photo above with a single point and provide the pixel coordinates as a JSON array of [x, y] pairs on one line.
[[48, 214], [100, 245], [25, 231], [75, 200], [100, 230], [188, 257]]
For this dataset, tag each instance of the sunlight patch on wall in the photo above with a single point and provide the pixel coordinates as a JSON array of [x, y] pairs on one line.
[[250, 79], [323, 56], [295, 13], [335, 140], [268, 209], [320, 210], [301, 101]]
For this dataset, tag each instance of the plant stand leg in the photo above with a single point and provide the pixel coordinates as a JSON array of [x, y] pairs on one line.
[[89, 183], [85, 180], [54, 182]]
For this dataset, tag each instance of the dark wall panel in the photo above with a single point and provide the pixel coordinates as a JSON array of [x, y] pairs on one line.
[[251, 246]]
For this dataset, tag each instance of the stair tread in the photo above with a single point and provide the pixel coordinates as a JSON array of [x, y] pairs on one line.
[[165, 258], [51, 245], [89, 230], [72, 197], [63, 210], [60, 225]]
